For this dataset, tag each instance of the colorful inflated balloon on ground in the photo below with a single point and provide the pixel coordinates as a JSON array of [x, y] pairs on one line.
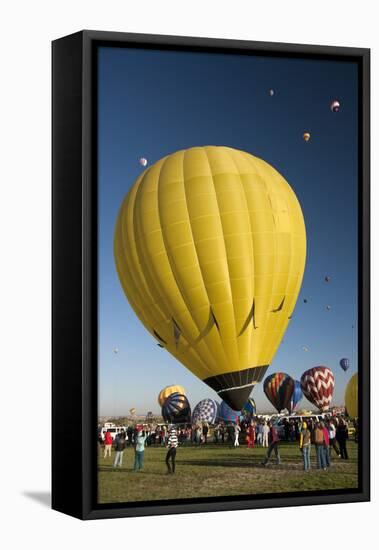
[[351, 396], [227, 414], [210, 250], [167, 391], [296, 397], [306, 136], [176, 409], [249, 407], [318, 387], [335, 106], [278, 388], [207, 410], [345, 363]]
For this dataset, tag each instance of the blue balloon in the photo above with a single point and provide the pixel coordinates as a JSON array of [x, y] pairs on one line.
[[207, 410], [176, 409], [345, 363], [249, 407], [297, 394], [227, 414]]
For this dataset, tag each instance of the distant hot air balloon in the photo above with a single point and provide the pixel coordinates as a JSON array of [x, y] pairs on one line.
[[143, 161], [249, 407], [318, 386], [306, 136], [188, 249], [305, 301], [278, 388], [167, 391], [328, 307], [351, 396], [335, 106], [345, 363], [207, 410], [271, 92], [176, 409], [304, 348], [227, 414], [327, 279], [115, 350], [132, 411], [296, 397]]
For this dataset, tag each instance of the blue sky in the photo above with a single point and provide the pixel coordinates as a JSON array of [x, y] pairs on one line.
[[152, 103]]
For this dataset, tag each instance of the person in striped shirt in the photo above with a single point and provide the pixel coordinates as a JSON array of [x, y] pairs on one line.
[[172, 444]]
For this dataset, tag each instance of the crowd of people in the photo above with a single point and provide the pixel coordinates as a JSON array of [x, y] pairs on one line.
[[325, 436]]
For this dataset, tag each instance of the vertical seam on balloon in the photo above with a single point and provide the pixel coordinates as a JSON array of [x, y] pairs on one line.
[[252, 249], [197, 257], [173, 269], [227, 264], [251, 161]]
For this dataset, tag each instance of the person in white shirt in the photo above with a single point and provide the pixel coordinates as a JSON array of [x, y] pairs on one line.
[[237, 430], [265, 431], [332, 439]]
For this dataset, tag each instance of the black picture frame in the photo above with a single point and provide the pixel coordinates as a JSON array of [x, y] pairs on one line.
[[74, 273]]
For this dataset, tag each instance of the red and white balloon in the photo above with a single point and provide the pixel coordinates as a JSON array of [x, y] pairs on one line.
[[317, 385]]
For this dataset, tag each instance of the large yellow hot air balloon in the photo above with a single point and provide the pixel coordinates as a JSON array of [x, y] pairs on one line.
[[167, 391], [210, 250], [351, 396]]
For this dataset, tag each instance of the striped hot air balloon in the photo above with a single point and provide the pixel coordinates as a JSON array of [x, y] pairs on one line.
[[176, 409], [227, 414], [345, 363], [207, 410], [296, 396], [318, 386], [278, 388], [167, 391]]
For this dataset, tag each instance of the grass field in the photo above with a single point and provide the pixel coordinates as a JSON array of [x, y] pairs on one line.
[[215, 470]]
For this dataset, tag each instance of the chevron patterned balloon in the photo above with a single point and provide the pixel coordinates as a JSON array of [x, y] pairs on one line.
[[318, 386]]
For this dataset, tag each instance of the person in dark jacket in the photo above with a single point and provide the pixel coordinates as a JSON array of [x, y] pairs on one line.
[[120, 445], [342, 436], [274, 445]]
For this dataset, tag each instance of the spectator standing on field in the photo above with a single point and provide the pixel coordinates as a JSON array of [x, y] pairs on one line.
[[332, 439], [265, 432], [108, 444], [139, 451], [274, 445], [120, 444], [172, 444], [251, 435], [205, 432], [259, 431], [342, 436], [237, 430], [305, 446], [320, 443]]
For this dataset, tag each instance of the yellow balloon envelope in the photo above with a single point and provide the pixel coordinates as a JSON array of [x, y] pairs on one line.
[[351, 396], [167, 391], [210, 250]]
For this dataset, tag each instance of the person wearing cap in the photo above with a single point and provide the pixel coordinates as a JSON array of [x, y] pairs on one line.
[[305, 446], [139, 451], [172, 444]]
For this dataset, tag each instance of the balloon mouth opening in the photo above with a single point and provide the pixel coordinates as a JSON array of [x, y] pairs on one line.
[[235, 387]]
